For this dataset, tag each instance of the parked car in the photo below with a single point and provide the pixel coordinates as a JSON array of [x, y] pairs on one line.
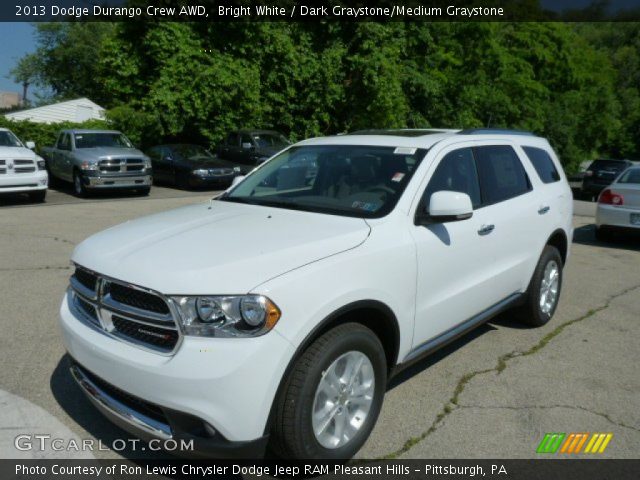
[[191, 166], [278, 311], [250, 148], [575, 179], [21, 170], [98, 160], [619, 206], [600, 174]]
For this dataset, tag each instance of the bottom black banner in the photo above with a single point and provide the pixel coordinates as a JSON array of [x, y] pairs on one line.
[[585, 469]]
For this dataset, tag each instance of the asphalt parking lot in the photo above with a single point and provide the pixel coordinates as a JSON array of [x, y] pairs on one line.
[[492, 394]]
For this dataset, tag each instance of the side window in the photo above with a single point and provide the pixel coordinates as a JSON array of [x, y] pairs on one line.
[[246, 139], [456, 172], [543, 163], [64, 143], [501, 173]]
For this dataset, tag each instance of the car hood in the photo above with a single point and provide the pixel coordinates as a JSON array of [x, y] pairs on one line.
[[16, 152], [99, 152], [228, 249]]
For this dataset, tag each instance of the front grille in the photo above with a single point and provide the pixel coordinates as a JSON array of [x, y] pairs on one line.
[[25, 169], [163, 338], [86, 278], [23, 162], [89, 310], [121, 165], [131, 314], [149, 409], [137, 298], [3, 171]]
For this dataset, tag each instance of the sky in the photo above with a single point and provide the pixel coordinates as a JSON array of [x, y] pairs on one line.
[[16, 39]]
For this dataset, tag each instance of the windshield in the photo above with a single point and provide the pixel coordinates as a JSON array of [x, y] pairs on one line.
[[608, 165], [192, 152], [630, 176], [266, 140], [8, 139], [358, 181], [105, 139]]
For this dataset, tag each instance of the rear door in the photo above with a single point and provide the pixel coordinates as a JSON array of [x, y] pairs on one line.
[[511, 205]]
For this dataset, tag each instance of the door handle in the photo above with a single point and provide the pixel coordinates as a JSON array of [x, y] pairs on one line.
[[486, 229], [543, 210]]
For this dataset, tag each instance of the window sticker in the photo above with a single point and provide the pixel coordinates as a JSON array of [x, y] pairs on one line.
[[405, 151], [397, 177], [368, 206]]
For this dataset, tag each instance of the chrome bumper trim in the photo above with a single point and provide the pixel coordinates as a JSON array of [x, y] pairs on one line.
[[111, 407]]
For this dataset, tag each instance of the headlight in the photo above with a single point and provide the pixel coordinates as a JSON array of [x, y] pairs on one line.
[[147, 163], [237, 169], [88, 166], [41, 164], [201, 171], [227, 316]]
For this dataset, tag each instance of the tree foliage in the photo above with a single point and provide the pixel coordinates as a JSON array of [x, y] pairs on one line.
[[577, 85]]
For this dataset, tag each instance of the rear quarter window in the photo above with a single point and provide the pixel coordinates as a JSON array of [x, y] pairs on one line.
[[543, 164]]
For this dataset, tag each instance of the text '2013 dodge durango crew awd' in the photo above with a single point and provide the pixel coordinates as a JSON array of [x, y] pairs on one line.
[[274, 315]]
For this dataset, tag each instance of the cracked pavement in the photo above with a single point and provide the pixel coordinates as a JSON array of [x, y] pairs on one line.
[[494, 393]]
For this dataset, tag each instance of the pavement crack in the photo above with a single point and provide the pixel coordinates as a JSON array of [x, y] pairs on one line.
[[32, 269], [606, 416], [453, 403]]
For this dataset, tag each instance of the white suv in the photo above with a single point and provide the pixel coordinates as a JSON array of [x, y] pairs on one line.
[[277, 312]]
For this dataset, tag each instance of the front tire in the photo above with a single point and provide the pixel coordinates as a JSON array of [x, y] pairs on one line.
[[333, 396], [78, 185], [544, 289]]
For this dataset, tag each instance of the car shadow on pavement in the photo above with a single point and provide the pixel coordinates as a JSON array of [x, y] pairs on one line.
[[73, 401], [586, 235], [423, 363]]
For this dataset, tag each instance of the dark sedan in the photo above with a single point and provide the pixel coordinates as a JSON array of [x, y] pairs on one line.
[[190, 166], [249, 148]]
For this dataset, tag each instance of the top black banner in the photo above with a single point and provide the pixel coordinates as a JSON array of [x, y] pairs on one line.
[[317, 10]]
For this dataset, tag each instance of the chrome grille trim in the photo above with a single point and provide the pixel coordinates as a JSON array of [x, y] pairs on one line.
[[106, 307]]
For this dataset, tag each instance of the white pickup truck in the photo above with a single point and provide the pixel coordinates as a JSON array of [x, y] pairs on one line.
[[21, 170]]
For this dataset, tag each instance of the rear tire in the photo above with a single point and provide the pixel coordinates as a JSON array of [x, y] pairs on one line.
[[544, 290], [307, 401], [38, 195]]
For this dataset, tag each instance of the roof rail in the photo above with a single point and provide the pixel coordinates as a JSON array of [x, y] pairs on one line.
[[494, 131]]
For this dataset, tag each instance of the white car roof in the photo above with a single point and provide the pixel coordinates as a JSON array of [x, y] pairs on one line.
[[424, 138]]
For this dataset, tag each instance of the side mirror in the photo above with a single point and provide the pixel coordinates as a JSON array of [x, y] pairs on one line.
[[30, 145], [247, 146], [237, 180], [446, 206], [168, 158]]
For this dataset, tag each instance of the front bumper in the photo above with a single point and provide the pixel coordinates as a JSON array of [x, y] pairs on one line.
[[220, 385], [97, 181], [25, 182]]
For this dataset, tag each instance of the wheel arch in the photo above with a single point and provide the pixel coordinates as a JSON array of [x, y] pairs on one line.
[[372, 314], [559, 240]]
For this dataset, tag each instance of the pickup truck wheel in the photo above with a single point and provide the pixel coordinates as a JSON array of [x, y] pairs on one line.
[[544, 290], [38, 196], [332, 397], [78, 186]]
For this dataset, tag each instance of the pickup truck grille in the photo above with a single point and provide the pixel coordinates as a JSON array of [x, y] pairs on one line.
[[121, 165], [127, 312], [16, 166]]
